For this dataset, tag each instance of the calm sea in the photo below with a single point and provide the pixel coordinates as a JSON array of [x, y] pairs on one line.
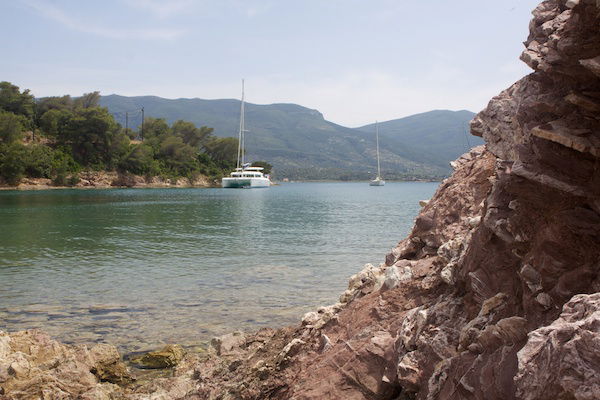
[[142, 267]]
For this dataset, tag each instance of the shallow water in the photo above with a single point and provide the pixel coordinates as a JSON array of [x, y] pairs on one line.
[[142, 267]]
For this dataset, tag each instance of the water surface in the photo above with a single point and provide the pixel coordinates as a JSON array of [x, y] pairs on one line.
[[141, 267]]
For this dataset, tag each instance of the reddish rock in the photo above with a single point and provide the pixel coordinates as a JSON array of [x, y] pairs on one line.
[[468, 306], [562, 360]]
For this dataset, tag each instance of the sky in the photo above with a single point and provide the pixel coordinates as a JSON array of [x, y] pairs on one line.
[[356, 61]]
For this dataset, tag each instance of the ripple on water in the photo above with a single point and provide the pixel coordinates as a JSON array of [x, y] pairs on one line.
[[141, 268]]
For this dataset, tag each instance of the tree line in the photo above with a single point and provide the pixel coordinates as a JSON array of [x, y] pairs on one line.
[[58, 137]]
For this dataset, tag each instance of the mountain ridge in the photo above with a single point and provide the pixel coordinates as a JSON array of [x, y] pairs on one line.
[[302, 144]]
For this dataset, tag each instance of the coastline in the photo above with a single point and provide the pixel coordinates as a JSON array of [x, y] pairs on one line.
[[113, 180], [127, 181]]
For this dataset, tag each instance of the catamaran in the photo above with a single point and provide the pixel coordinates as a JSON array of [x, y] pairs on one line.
[[244, 175], [378, 181]]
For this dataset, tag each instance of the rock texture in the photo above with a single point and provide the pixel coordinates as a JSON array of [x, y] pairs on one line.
[[33, 367], [571, 346], [468, 306], [493, 295]]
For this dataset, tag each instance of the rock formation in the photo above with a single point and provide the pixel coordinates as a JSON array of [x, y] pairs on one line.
[[493, 295], [469, 305]]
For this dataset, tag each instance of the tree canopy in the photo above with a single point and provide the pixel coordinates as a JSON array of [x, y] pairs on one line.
[[76, 133]]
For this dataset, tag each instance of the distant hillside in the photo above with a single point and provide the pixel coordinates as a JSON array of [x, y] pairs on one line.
[[436, 137], [301, 144]]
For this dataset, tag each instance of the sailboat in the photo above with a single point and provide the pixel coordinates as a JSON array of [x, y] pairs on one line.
[[378, 181], [244, 175]]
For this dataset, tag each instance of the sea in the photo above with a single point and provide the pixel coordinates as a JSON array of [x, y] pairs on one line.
[[139, 268]]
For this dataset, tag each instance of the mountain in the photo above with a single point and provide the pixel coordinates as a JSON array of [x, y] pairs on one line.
[[301, 144], [436, 137]]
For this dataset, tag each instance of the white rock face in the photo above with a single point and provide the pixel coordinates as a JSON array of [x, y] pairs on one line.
[[395, 275], [562, 360]]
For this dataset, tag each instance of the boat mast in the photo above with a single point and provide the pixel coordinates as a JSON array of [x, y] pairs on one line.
[[377, 139], [240, 154]]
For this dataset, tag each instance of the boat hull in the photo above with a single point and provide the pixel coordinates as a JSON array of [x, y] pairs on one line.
[[244, 183], [377, 182]]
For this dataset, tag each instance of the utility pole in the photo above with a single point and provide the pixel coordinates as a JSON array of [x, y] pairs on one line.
[[127, 123], [33, 125], [142, 124]]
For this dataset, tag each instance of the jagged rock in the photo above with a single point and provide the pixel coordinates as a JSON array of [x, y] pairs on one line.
[[32, 364], [325, 343], [448, 273], [394, 276], [229, 343], [369, 279], [562, 360], [514, 231], [108, 366], [474, 221], [412, 325], [290, 350]]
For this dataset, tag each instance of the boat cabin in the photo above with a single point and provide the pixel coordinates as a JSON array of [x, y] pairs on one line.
[[248, 172]]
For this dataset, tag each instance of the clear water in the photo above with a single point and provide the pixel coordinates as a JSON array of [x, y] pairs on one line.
[[142, 267]]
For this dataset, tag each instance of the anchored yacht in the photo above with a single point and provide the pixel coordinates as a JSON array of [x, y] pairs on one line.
[[378, 181], [244, 175]]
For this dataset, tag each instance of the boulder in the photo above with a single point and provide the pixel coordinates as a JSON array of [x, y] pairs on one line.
[[229, 343], [562, 360], [167, 357]]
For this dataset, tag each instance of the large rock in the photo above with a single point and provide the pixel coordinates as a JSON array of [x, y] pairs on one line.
[[34, 366], [229, 343], [562, 360], [167, 357]]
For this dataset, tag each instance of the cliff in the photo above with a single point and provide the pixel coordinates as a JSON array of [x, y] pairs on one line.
[[493, 295]]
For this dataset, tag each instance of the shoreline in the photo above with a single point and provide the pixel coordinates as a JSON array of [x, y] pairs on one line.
[[43, 186], [112, 180]]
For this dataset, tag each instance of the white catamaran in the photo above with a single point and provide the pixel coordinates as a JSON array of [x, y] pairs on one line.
[[244, 175], [379, 180]]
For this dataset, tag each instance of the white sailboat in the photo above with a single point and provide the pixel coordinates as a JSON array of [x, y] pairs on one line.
[[378, 181], [244, 175]]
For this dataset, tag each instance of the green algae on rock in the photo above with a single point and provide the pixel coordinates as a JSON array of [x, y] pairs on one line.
[[167, 357]]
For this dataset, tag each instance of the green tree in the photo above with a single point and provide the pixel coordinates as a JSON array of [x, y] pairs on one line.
[[12, 100], [155, 128], [55, 121], [54, 103], [11, 127], [140, 160], [63, 166], [178, 157], [12, 167], [95, 138], [223, 150], [38, 161], [191, 135], [88, 100]]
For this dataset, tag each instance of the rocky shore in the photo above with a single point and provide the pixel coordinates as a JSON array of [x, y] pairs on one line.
[[107, 179], [493, 295]]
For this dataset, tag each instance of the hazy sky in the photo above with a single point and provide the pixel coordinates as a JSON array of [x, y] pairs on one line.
[[354, 60]]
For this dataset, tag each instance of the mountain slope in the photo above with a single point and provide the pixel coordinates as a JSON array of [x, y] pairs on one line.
[[437, 137], [300, 143]]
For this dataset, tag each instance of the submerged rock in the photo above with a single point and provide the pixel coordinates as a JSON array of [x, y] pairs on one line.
[[167, 357]]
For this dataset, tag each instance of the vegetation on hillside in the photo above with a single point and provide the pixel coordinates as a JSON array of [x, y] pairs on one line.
[[302, 144], [58, 137]]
